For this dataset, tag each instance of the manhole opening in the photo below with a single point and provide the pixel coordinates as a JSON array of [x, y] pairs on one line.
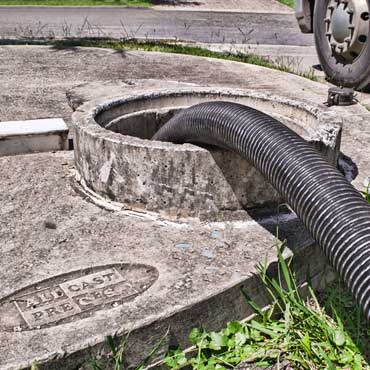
[[143, 117], [143, 124]]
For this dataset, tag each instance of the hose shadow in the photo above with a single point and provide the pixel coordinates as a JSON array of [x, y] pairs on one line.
[[283, 224], [259, 198]]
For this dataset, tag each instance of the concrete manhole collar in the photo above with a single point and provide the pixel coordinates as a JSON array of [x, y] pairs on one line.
[[116, 158]]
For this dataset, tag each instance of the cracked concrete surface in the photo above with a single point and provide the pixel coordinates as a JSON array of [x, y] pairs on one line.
[[62, 253], [51, 229]]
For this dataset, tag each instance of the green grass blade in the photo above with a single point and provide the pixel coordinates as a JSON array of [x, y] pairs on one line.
[[153, 352], [252, 304], [112, 345]]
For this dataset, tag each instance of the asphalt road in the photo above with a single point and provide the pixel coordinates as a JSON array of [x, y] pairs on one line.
[[206, 27]]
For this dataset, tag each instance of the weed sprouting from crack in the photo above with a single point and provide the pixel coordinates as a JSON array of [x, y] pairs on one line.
[[245, 34]]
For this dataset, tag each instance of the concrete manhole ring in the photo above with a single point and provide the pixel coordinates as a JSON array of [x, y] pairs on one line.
[[117, 160]]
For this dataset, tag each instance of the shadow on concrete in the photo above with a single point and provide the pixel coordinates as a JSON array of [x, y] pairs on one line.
[[71, 49], [122, 53], [283, 223]]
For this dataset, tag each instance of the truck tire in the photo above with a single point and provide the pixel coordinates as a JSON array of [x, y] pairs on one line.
[[342, 34]]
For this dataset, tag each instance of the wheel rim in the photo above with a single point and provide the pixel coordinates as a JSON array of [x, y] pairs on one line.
[[347, 29]]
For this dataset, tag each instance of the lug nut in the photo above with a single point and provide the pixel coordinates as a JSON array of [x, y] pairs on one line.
[[347, 40]]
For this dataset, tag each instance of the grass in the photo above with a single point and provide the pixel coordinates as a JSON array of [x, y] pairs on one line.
[[366, 193], [116, 361], [337, 301], [290, 3], [175, 48], [169, 47], [141, 3]]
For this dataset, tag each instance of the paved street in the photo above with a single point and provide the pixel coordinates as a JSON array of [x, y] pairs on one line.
[[245, 6], [206, 27]]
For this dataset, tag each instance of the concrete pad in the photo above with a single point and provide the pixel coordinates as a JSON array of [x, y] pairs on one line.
[[20, 137], [74, 272]]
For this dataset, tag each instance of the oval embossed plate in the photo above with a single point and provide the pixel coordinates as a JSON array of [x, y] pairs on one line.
[[75, 295]]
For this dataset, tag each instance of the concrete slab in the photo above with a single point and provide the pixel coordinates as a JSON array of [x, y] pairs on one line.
[[73, 272], [20, 137]]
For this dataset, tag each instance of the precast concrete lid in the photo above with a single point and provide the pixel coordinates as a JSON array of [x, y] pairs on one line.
[[116, 158], [75, 270]]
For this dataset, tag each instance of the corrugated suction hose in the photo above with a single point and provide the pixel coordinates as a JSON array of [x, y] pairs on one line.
[[334, 212]]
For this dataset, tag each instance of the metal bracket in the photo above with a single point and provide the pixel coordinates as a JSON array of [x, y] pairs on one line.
[[341, 96]]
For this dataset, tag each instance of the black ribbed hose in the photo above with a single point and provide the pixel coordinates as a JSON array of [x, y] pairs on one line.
[[334, 212]]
